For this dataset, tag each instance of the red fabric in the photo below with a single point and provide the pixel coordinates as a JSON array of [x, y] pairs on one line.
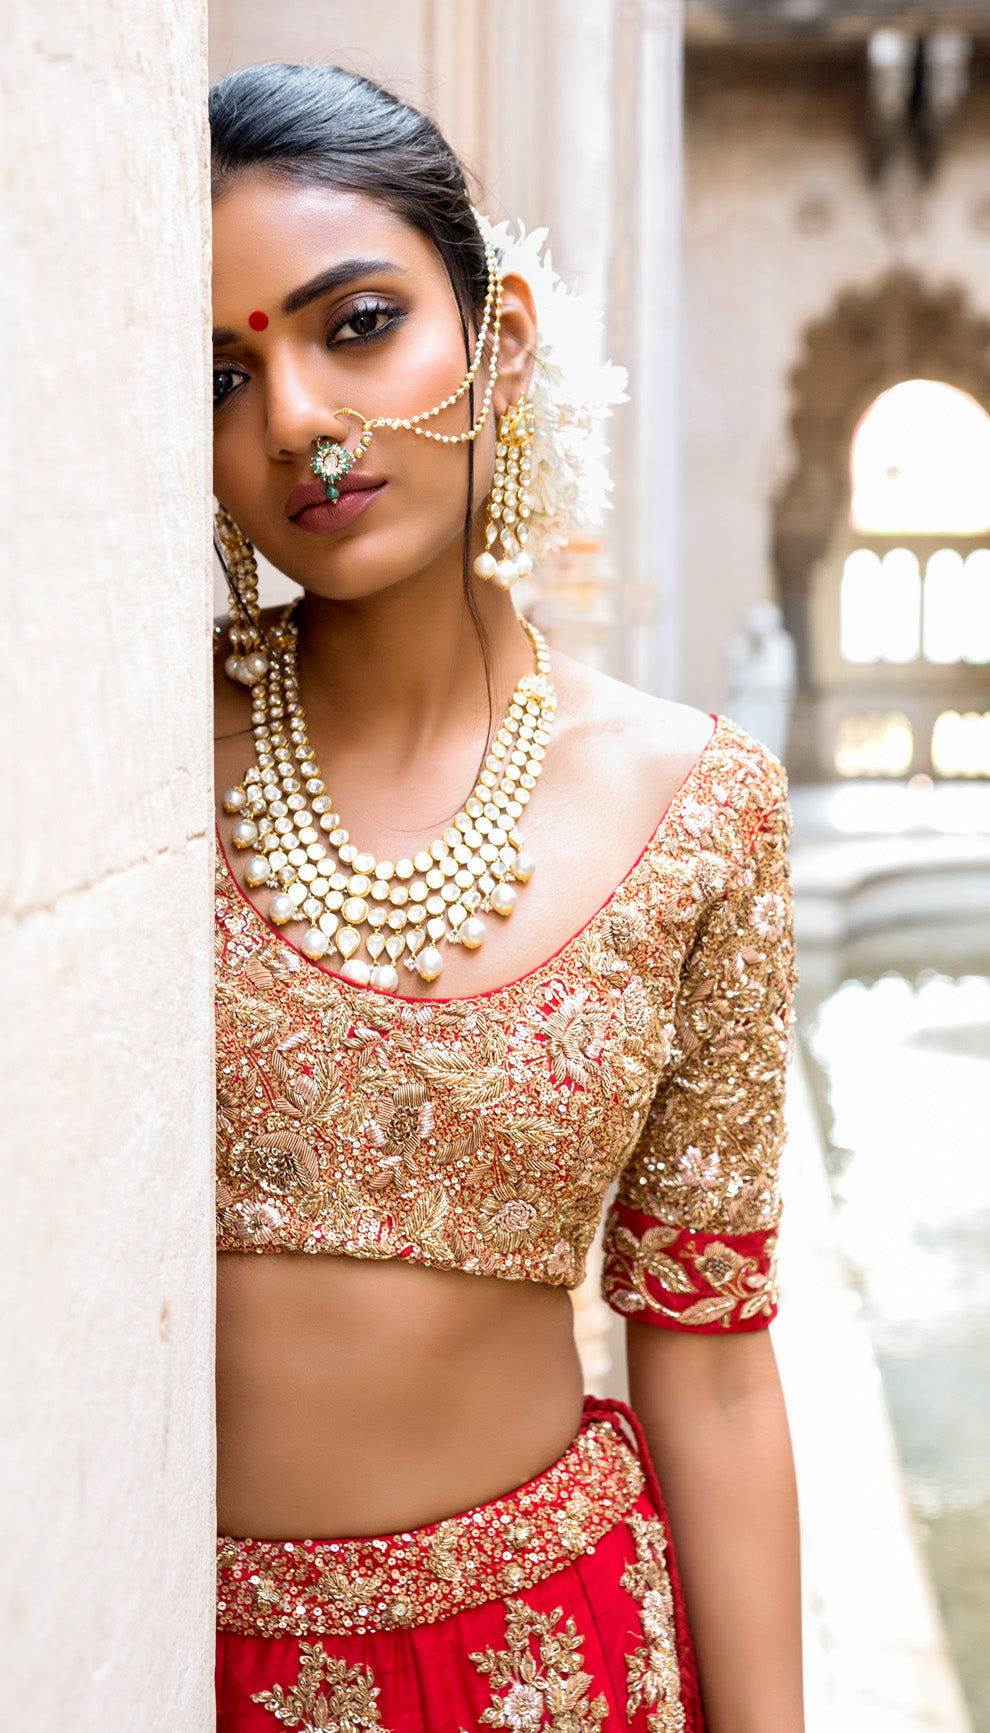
[[424, 1679], [679, 1279], [620, 1415]]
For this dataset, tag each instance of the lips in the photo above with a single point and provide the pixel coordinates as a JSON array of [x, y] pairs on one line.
[[310, 493]]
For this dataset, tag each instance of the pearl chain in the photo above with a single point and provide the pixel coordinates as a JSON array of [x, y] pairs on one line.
[[333, 459], [348, 898], [492, 316]]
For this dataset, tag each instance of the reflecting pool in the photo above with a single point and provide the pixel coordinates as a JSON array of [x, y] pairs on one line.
[[900, 1063]]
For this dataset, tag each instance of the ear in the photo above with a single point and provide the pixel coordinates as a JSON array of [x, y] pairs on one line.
[[517, 349]]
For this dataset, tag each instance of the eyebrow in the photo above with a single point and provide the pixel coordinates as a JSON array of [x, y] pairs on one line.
[[322, 284]]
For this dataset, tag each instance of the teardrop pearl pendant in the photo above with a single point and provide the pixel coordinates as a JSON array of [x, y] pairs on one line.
[[507, 518]]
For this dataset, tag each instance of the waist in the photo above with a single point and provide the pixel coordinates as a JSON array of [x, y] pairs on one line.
[[358, 1398], [419, 1576]]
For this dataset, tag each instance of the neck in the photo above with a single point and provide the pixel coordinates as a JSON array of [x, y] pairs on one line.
[[406, 668]]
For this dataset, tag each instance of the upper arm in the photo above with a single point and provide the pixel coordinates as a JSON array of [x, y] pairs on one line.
[[691, 1236], [686, 1373]]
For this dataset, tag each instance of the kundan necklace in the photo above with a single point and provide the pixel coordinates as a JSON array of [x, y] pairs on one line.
[[348, 900]]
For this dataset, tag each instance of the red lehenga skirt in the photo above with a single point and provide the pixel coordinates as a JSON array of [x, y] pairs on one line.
[[557, 1607]]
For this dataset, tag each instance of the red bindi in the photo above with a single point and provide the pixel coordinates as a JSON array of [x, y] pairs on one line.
[[258, 321]]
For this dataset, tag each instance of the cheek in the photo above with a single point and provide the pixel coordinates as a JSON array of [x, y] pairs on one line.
[[235, 455], [440, 346], [426, 367], [242, 473], [429, 495]]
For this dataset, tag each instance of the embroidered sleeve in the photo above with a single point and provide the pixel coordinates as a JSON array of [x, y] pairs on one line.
[[691, 1235]]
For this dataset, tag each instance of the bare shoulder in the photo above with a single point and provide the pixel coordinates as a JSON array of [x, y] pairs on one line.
[[619, 736]]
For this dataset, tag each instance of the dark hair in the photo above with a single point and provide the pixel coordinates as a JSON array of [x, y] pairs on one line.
[[334, 128], [322, 124]]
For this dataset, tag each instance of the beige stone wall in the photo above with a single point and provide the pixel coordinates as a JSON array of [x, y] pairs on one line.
[[106, 1452], [780, 219]]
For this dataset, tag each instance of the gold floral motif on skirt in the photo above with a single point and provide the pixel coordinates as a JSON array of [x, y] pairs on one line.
[[654, 1680], [350, 1707], [541, 1690]]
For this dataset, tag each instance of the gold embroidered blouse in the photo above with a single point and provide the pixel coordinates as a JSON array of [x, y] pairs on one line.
[[483, 1134]]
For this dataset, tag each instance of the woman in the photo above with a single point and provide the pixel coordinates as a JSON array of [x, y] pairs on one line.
[[430, 1069]]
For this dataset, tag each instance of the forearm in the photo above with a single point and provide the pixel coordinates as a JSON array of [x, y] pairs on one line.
[[714, 1420]]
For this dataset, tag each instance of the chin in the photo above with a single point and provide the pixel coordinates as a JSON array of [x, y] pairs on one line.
[[364, 566]]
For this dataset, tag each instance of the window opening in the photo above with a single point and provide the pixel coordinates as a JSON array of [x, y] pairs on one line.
[[874, 743], [961, 744], [911, 644], [880, 606], [920, 463]]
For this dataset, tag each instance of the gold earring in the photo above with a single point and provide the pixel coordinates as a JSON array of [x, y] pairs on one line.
[[508, 511], [248, 661]]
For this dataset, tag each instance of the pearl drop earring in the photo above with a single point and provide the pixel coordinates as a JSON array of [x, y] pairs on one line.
[[248, 660], [508, 510]]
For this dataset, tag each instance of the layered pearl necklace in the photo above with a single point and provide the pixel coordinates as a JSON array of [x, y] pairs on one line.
[[347, 899]]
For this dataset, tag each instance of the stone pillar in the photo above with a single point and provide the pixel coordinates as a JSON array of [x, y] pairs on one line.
[[574, 592], [645, 337], [106, 1290], [579, 97]]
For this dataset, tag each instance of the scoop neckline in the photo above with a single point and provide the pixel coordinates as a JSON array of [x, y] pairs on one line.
[[343, 981]]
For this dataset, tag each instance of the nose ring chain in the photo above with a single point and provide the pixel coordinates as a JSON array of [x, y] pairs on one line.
[[333, 459]]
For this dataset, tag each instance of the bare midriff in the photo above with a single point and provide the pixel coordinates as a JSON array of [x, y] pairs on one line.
[[361, 1398]]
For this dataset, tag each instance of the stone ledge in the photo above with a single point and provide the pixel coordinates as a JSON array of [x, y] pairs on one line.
[[876, 1659]]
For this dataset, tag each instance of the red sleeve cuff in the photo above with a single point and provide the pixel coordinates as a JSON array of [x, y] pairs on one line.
[[681, 1280]]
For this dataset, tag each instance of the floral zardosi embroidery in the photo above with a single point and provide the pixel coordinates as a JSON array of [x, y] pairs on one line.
[[484, 1134], [696, 818], [624, 927], [572, 1522], [573, 1033], [769, 915], [349, 1705], [545, 1691], [507, 1216], [398, 1128], [650, 1266], [654, 1680]]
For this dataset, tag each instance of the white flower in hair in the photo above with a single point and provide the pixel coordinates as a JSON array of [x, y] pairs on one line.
[[571, 392]]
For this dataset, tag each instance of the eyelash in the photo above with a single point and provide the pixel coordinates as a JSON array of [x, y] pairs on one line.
[[225, 373], [380, 309]]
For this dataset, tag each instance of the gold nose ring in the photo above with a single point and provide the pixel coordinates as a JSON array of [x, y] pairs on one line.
[[333, 459]]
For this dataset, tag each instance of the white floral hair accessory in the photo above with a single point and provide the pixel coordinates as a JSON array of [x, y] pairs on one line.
[[571, 392]]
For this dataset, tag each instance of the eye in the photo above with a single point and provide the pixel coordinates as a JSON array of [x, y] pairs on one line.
[[365, 322], [225, 381]]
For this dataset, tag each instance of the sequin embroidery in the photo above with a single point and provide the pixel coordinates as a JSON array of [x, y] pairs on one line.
[[654, 1680], [350, 1706], [542, 1690], [483, 1134]]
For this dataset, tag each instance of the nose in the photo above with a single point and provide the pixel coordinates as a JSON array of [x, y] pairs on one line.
[[298, 411]]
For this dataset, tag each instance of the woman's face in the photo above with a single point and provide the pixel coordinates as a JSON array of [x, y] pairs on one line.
[[356, 310]]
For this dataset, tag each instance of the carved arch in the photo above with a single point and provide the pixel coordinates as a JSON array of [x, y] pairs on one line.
[[900, 328]]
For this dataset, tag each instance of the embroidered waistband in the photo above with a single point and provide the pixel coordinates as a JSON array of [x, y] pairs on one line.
[[294, 1588]]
